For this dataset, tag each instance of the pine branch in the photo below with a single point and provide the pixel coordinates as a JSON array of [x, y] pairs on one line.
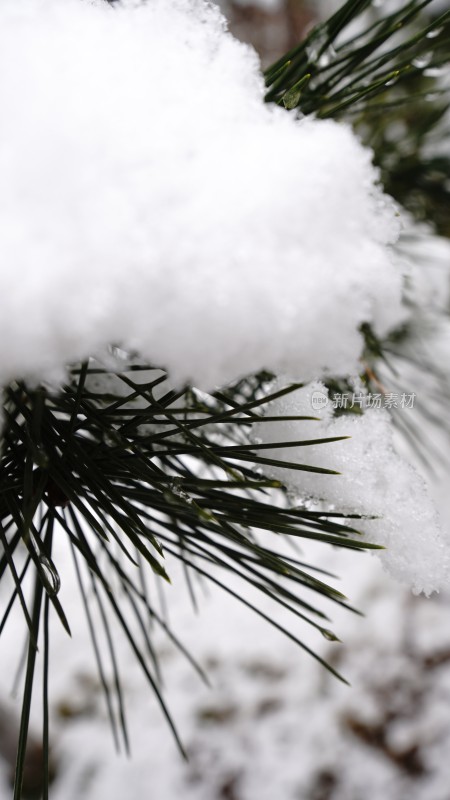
[[136, 474], [387, 81], [122, 463]]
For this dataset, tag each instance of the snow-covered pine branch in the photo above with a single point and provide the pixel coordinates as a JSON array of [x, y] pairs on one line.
[[150, 199]]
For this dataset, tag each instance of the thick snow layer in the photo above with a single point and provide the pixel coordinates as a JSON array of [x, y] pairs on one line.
[[373, 480], [149, 198]]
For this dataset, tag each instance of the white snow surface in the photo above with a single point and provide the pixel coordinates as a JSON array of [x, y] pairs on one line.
[[374, 480], [149, 198], [273, 723]]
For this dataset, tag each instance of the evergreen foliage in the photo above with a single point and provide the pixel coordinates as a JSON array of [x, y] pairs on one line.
[[131, 470]]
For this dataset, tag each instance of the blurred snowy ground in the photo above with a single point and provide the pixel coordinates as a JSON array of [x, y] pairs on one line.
[[274, 723]]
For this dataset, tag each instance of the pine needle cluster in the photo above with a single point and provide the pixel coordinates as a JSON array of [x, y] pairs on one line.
[[135, 473]]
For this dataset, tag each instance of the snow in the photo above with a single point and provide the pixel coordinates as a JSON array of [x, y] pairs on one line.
[[149, 198], [373, 480], [273, 721]]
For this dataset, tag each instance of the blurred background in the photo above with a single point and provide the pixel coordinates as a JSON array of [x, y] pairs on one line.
[[273, 724]]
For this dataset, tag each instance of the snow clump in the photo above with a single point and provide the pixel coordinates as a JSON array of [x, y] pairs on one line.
[[373, 480], [150, 199]]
